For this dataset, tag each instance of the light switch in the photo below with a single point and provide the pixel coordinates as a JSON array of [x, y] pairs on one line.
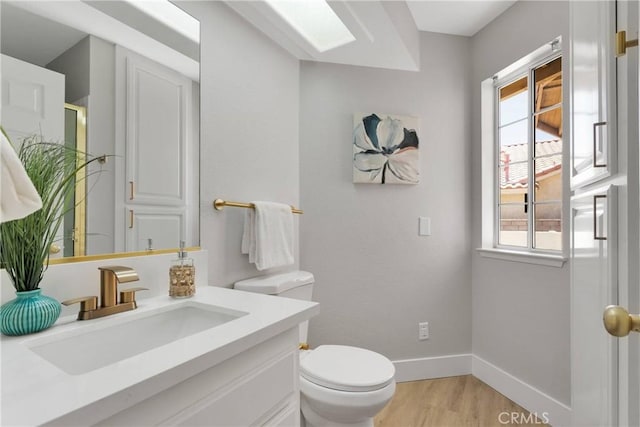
[[424, 228]]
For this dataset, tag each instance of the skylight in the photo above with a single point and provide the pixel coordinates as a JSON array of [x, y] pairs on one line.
[[315, 21], [172, 16]]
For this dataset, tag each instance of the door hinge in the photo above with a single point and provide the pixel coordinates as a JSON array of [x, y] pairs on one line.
[[622, 43]]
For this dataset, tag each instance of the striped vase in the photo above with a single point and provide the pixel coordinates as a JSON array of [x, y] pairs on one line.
[[30, 312]]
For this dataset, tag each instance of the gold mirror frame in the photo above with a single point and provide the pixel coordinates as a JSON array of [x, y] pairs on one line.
[[72, 259]]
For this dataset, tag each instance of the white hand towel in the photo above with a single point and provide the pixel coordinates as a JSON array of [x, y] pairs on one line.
[[268, 235], [18, 196], [249, 235]]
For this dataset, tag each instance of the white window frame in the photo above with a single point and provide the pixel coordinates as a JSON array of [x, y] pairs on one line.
[[490, 192]]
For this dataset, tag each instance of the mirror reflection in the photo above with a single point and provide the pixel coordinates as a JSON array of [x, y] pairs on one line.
[[113, 78]]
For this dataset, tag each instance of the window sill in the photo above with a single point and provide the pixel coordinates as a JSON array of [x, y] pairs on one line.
[[525, 257]]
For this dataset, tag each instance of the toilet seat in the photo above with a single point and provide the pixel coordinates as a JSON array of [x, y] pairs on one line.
[[347, 368]]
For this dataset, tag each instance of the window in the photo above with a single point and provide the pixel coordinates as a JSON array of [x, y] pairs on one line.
[[315, 21], [527, 154]]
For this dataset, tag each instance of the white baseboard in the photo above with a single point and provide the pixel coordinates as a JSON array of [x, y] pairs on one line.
[[432, 367], [530, 398], [533, 400]]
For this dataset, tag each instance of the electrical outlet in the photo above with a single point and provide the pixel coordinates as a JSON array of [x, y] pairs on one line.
[[423, 331]]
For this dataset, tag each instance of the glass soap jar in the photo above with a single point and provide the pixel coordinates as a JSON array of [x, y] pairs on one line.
[[182, 276]]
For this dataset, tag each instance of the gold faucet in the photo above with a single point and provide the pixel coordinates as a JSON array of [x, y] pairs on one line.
[[109, 279]]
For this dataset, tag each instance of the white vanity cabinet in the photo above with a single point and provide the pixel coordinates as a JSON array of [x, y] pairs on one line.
[[240, 370], [256, 387], [593, 151]]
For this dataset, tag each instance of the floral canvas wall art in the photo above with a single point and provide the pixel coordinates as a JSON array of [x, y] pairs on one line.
[[385, 149]]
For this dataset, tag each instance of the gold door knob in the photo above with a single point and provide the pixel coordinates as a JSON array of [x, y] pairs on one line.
[[54, 249], [618, 322]]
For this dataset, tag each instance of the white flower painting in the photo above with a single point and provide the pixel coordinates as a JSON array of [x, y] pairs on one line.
[[385, 149]]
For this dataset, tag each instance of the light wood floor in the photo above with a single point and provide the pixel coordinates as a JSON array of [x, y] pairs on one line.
[[450, 402]]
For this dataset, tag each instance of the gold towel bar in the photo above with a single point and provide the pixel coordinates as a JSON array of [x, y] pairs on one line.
[[218, 204]]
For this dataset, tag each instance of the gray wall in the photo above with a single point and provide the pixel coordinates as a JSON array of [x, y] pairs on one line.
[[249, 131], [375, 277], [89, 67], [74, 64], [101, 140], [520, 311]]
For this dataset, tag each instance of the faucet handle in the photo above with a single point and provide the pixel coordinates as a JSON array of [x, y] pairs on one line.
[[129, 295], [89, 303]]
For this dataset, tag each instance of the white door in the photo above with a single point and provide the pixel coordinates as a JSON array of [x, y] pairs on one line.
[[594, 219], [593, 275], [628, 290], [632, 348], [629, 371], [33, 104], [32, 100], [606, 369]]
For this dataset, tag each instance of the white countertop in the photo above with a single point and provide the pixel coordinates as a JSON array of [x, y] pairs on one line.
[[35, 392]]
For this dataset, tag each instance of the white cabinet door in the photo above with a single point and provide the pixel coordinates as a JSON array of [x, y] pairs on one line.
[[157, 129], [155, 134], [593, 92], [165, 227], [593, 286]]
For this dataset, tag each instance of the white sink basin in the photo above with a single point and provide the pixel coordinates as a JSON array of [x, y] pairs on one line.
[[94, 348]]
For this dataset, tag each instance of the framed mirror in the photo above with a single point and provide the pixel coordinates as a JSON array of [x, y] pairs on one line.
[[118, 80]]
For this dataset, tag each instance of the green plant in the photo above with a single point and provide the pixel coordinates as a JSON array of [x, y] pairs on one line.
[[25, 243]]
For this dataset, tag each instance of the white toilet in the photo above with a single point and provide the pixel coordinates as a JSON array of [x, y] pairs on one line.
[[340, 386]]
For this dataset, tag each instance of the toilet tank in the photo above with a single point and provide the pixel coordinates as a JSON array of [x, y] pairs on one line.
[[295, 284]]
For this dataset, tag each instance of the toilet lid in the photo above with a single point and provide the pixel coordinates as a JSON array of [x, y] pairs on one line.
[[346, 368]]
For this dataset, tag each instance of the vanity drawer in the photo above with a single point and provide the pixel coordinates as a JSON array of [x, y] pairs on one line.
[[248, 389], [289, 416], [248, 399]]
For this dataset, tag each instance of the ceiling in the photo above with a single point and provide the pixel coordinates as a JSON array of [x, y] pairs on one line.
[[387, 32], [463, 18], [55, 26]]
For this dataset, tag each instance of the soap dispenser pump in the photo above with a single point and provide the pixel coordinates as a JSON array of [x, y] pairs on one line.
[[182, 275]]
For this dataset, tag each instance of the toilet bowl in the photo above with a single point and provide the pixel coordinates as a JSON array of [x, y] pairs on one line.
[[344, 386], [340, 386]]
